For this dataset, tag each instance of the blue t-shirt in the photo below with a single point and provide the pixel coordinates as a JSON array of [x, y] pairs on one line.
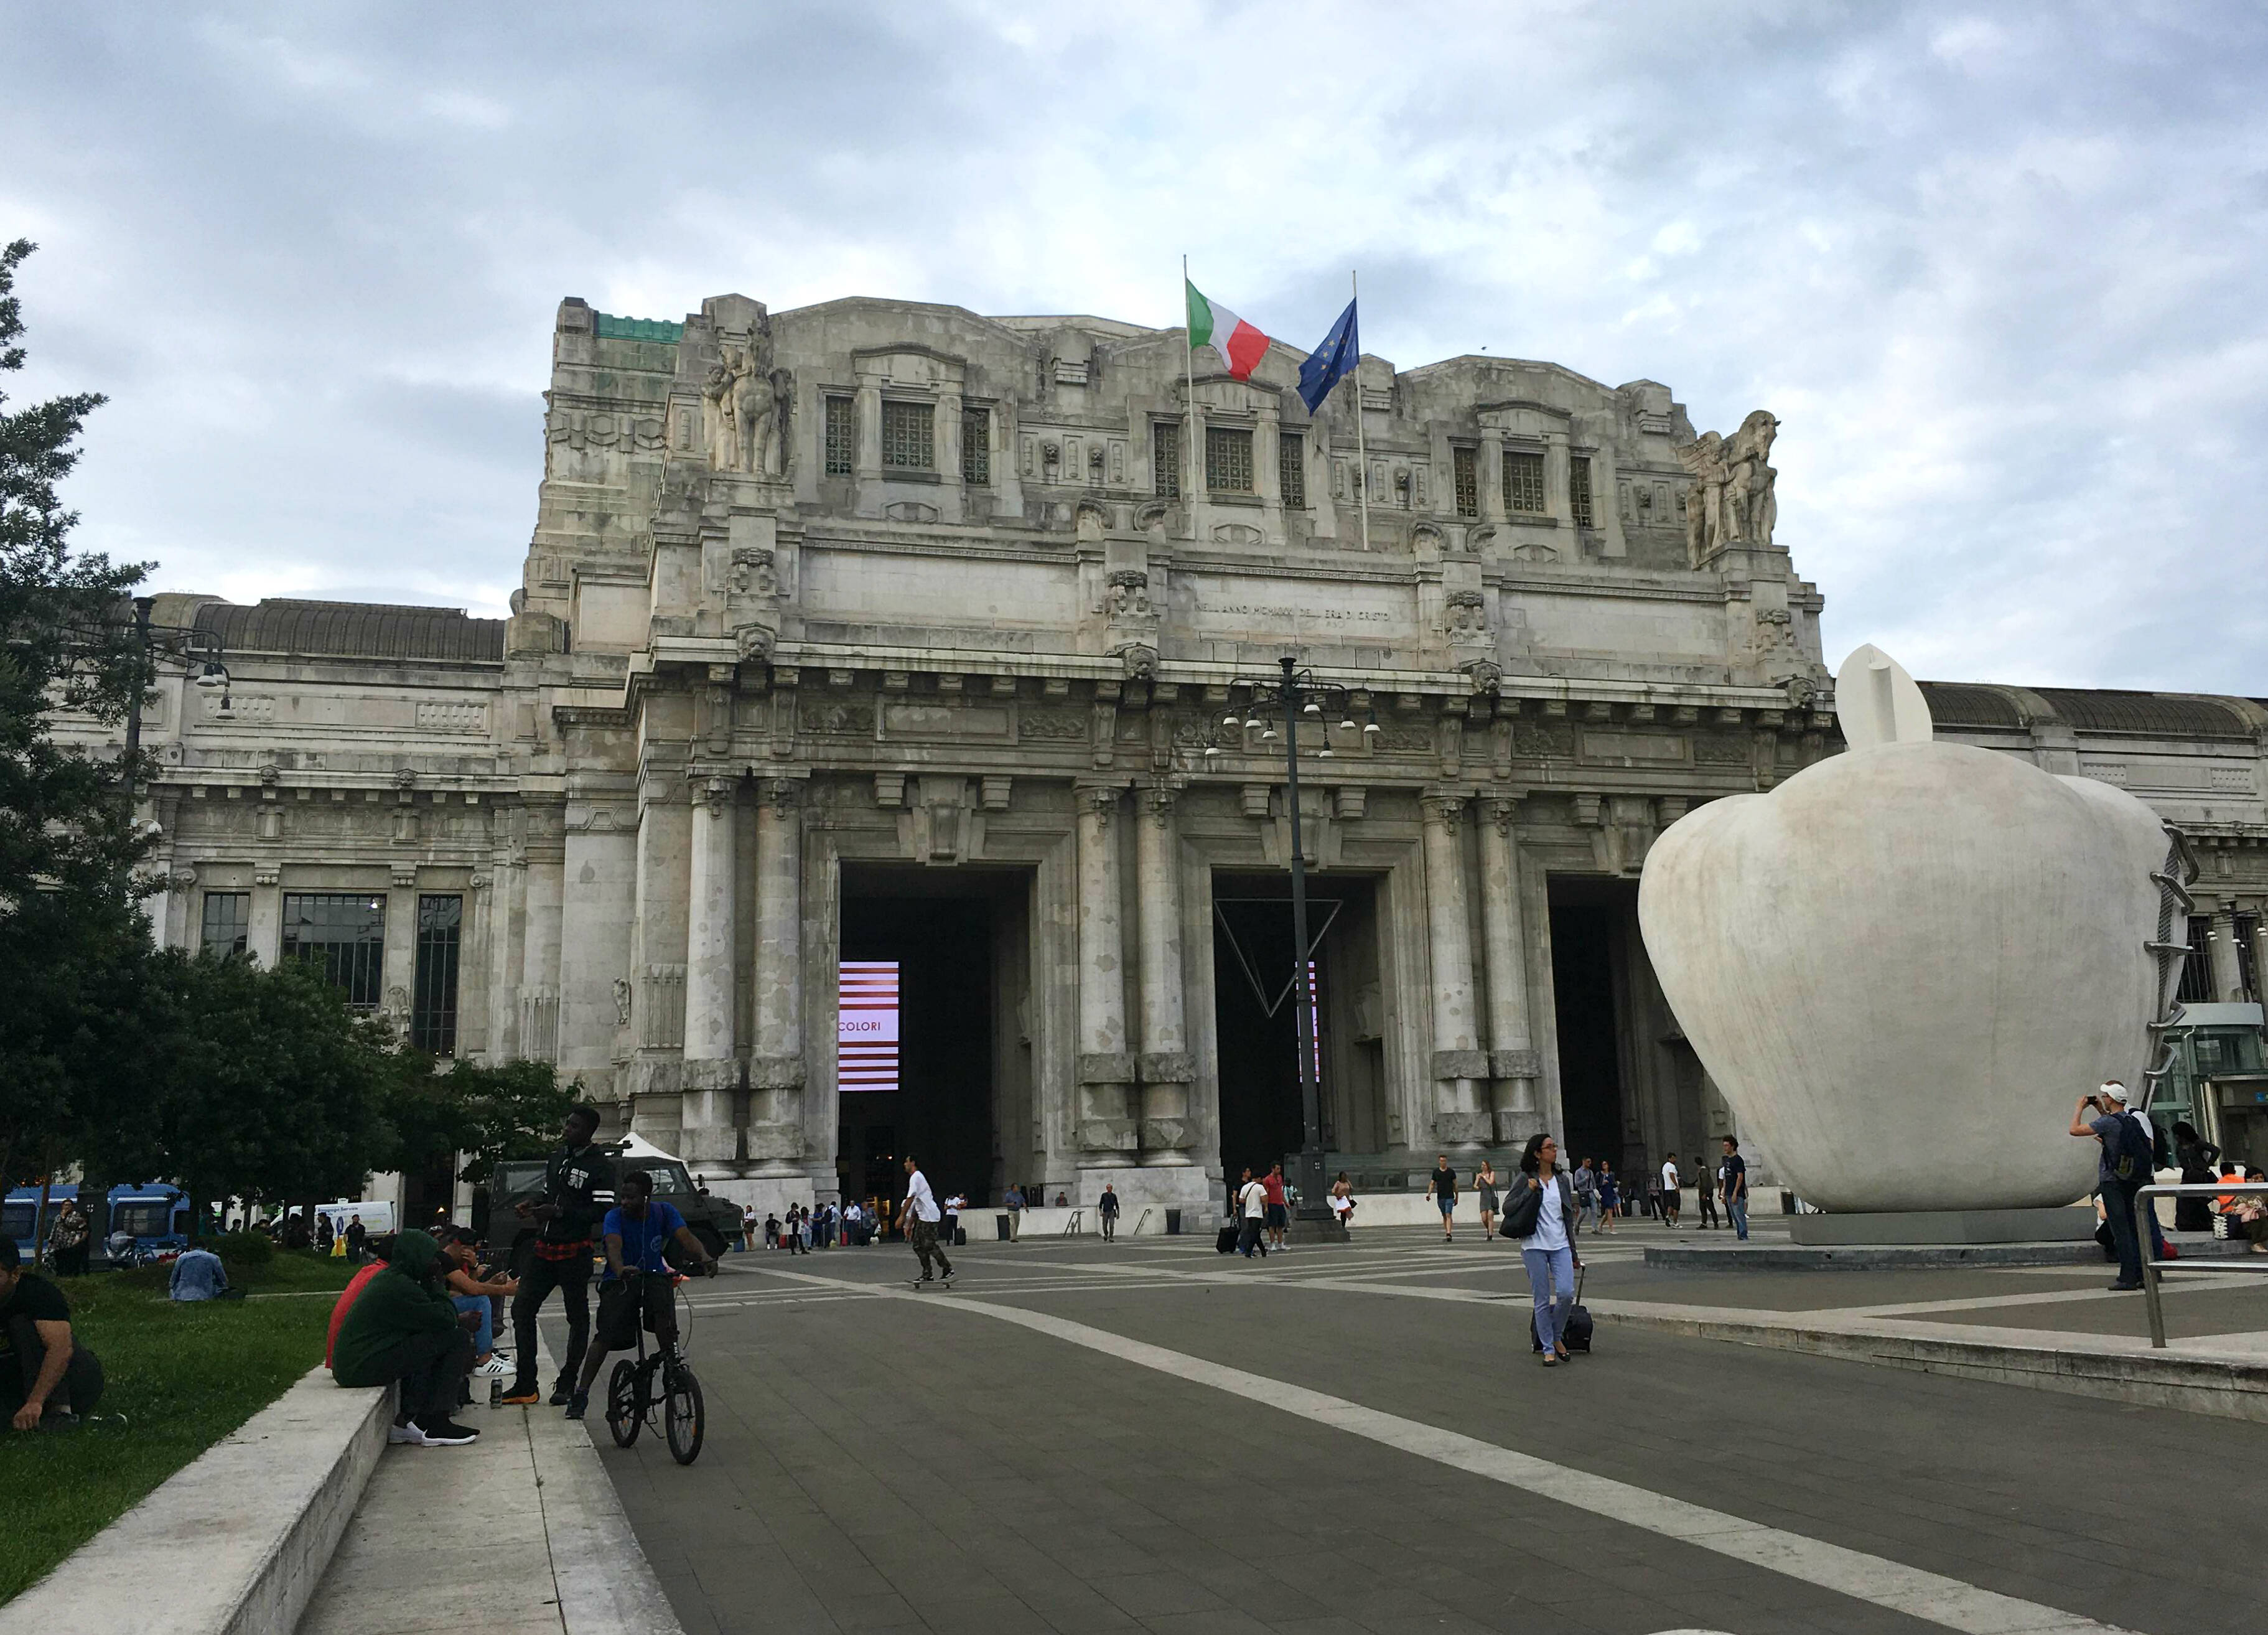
[[643, 1240]]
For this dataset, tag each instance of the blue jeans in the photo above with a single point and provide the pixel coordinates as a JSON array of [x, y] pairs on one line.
[[1736, 1211], [2118, 1210], [484, 1336], [1552, 1280]]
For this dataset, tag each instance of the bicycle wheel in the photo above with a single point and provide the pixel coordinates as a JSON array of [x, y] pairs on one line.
[[625, 1413], [683, 1417]]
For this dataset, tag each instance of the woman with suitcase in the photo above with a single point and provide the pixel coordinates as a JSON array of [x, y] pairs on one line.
[[1543, 1218]]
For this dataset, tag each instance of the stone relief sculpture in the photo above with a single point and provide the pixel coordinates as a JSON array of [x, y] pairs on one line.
[[753, 573], [1467, 614], [744, 406], [1129, 594], [1731, 498]]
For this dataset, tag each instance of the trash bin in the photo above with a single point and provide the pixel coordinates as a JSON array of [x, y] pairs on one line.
[[1172, 1223], [1001, 1221], [961, 1237]]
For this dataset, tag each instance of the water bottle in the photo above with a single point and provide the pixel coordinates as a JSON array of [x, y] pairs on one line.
[[495, 1393]]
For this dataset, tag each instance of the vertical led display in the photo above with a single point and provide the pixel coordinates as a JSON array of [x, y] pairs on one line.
[[866, 1024]]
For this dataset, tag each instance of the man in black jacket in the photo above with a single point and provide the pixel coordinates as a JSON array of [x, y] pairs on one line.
[[569, 1218]]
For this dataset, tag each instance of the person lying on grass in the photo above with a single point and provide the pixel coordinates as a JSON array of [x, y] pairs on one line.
[[401, 1327], [47, 1380]]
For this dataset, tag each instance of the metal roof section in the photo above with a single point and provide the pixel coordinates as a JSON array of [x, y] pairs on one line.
[[2145, 715], [1954, 703], [350, 629]]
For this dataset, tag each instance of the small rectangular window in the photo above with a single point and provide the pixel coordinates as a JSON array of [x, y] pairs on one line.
[[1291, 468], [976, 446], [841, 437], [1166, 459], [1578, 489], [343, 935], [433, 1001], [2197, 970], [228, 922], [1228, 459], [909, 443], [1464, 464], [1523, 481]]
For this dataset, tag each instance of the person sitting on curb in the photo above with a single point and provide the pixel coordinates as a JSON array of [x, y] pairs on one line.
[[401, 1327], [198, 1275], [636, 1286], [39, 1355], [470, 1291]]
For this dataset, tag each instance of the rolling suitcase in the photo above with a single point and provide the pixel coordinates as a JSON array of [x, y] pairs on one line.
[[1578, 1335], [1225, 1243]]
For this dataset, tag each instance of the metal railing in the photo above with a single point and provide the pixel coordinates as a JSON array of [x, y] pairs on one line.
[[2145, 1217]]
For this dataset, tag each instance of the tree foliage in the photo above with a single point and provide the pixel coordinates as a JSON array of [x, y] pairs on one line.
[[487, 1113]]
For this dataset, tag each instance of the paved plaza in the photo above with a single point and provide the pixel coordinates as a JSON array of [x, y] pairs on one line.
[[1147, 1436]]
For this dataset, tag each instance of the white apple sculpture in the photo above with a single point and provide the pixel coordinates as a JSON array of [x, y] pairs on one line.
[[1904, 964]]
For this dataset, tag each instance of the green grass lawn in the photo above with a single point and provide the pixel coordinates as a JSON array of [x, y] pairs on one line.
[[183, 1376]]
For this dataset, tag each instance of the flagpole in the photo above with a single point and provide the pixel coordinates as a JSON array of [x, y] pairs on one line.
[[1361, 450], [1189, 468]]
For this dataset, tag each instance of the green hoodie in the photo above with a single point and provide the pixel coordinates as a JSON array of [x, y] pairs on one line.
[[399, 1304]]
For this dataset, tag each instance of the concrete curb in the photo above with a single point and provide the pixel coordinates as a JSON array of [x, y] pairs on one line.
[[1892, 1258], [2122, 1370], [235, 1542], [607, 1586]]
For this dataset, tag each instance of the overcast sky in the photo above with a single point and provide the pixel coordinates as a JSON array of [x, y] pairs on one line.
[[1999, 269]]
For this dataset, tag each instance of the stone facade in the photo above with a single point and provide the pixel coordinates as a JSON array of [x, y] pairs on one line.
[[909, 593]]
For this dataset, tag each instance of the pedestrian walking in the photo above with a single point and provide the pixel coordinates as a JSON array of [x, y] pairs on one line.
[[1485, 1182], [749, 1222], [1342, 1201], [1442, 1187], [920, 1216], [1279, 1208], [1252, 1214], [1732, 1180], [1587, 1195], [2122, 1170], [1107, 1207], [1672, 1203], [357, 1234], [567, 1225], [1705, 1193], [1542, 1219], [1610, 1197]]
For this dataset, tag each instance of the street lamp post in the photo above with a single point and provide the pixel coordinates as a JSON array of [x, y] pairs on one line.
[[1294, 694]]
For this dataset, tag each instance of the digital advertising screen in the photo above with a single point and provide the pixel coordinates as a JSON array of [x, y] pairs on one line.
[[866, 1024]]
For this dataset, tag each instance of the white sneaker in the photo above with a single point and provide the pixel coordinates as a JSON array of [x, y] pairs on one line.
[[406, 1434], [495, 1368]]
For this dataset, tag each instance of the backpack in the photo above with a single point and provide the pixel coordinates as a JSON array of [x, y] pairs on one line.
[[2129, 1160]]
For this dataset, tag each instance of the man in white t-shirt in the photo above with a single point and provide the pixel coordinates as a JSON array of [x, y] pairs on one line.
[[920, 1219], [1670, 1196], [1252, 1203]]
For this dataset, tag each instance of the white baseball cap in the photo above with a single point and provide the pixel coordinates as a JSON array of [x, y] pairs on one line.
[[2115, 1091]]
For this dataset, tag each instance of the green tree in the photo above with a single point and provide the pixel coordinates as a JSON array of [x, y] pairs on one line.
[[251, 1083], [487, 1113], [69, 932]]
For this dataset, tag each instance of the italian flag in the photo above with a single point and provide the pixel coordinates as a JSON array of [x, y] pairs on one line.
[[1241, 346]]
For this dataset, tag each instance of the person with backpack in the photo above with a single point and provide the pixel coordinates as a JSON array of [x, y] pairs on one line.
[[1705, 1190], [2123, 1171], [1543, 1218]]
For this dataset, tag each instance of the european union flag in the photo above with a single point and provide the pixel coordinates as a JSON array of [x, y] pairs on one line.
[[1340, 351]]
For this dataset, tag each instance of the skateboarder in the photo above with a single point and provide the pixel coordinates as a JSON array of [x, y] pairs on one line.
[[920, 1218]]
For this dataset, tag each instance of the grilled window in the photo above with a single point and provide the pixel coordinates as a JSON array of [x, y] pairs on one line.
[[1228, 459], [1523, 481], [228, 920], [908, 436], [841, 437], [1578, 489], [2197, 970], [1291, 468], [976, 446], [2248, 973], [1464, 465], [1166, 459], [343, 935], [433, 1000]]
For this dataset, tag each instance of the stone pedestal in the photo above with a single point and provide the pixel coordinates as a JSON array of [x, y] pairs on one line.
[[1935, 1226]]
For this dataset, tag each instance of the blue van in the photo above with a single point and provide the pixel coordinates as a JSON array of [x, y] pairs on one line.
[[154, 1218], [19, 1218]]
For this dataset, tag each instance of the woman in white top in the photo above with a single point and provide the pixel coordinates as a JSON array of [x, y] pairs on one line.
[[1543, 1218]]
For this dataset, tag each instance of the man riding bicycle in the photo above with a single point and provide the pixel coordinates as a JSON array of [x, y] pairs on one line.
[[636, 1286]]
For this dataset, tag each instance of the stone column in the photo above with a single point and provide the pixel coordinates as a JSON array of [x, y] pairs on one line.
[[710, 1144], [1164, 1064], [1556, 502], [2228, 972], [263, 938], [1492, 475], [775, 1064], [1514, 1065], [1458, 1063], [1105, 1070], [950, 492]]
